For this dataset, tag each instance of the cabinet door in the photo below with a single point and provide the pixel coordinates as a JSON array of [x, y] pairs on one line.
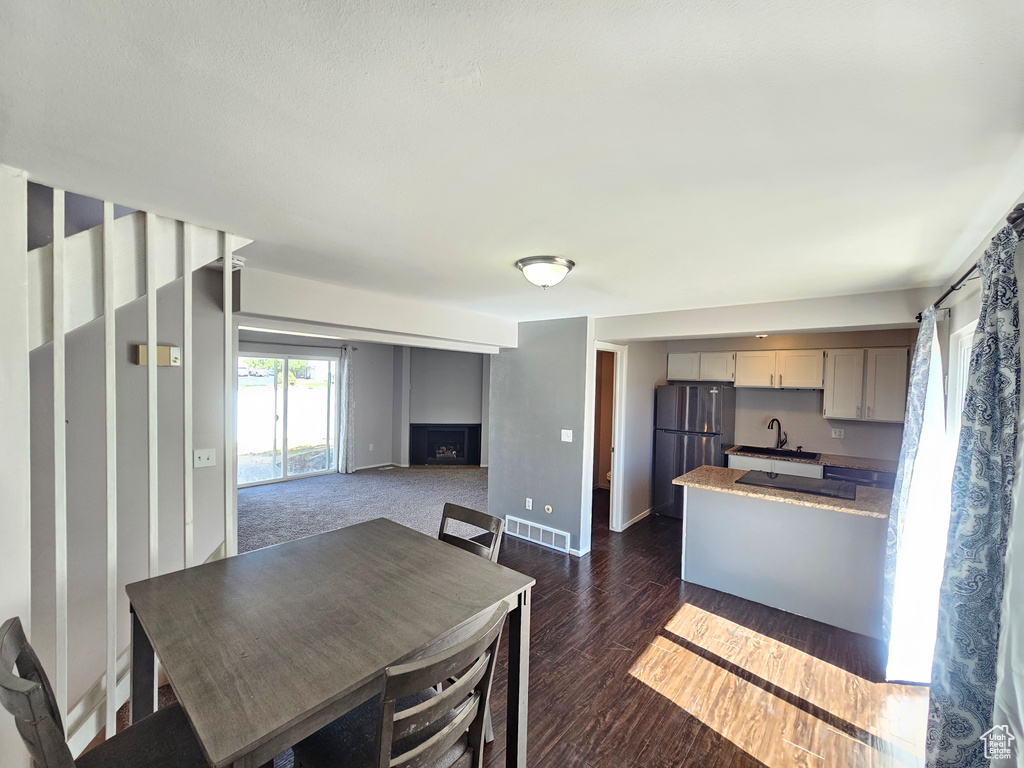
[[684, 367], [798, 468], [750, 462], [844, 384], [717, 366], [755, 369], [885, 397], [800, 368]]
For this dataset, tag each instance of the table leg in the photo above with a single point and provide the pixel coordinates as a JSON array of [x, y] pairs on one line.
[[518, 682], [143, 667]]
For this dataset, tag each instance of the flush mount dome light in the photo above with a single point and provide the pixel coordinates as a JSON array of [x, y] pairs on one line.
[[545, 271]]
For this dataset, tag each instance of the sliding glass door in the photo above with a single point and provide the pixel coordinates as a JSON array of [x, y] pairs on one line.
[[287, 418]]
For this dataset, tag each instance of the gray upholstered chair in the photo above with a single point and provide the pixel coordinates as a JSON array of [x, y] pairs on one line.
[[494, 525], [162, 740], [412, 724]]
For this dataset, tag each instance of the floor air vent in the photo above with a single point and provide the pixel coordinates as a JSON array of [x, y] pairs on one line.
[[549, 537]]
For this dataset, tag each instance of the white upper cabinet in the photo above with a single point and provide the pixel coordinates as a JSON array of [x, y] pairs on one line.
[[885, 390], [684, 367], [844, 383], [717, 366], [755, 369], [800, 368]]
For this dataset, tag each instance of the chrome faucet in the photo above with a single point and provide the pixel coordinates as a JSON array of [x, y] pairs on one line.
[[781, 438]]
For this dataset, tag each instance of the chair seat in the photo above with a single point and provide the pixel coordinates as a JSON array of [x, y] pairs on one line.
[[163, 740], [351, 740]]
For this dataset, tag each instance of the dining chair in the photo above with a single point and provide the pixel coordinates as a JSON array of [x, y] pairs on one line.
[[162, 740], [494, 525], [413, 724]]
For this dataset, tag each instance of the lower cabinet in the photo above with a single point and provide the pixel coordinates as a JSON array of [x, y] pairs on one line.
[[779, 466]]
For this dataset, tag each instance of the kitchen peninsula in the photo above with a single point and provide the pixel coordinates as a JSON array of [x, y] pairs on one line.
[[808, 554]]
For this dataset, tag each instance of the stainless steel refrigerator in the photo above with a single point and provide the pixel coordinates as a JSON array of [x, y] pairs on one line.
[[694, 424]]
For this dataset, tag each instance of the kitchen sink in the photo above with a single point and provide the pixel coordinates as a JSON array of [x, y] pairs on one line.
[[782, 453]]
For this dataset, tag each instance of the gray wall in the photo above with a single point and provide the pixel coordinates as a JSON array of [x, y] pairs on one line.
[[87, 474], [537, 390], [445, 387]]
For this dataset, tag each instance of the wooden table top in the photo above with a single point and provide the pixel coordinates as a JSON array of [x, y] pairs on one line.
[[258, 643]]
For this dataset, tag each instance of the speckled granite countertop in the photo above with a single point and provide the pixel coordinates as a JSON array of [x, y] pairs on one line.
[[831, 459], [870, 502]]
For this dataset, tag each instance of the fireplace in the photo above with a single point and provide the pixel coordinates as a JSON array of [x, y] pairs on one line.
[[445, 444]]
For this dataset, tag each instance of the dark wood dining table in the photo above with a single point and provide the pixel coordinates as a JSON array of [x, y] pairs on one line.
[[265, 648]]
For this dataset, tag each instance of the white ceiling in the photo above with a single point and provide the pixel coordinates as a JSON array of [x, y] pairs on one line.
[[685, 154]]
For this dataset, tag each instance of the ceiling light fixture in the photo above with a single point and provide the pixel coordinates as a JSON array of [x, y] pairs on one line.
[[760, 335], [545, 271]]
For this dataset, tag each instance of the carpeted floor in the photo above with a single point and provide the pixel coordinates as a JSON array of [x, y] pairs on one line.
[[272, 514]]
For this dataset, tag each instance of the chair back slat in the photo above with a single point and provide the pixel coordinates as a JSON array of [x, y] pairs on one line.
[[28, 696], [473, 547], [429, 752], [494, 525], [468, 667], [414, 719]]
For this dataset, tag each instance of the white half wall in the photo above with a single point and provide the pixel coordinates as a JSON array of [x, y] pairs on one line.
[[865, 311], [272, 295], [15, 469]]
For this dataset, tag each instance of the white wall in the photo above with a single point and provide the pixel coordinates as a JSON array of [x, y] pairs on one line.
[[271, 295], [86, 476], [888, 309], [445, 387], [645, 370], [15, 470]]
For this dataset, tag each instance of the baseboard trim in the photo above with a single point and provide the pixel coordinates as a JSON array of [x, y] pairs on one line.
[[636, 519], [88, 717], [375, 466], [578, 553]]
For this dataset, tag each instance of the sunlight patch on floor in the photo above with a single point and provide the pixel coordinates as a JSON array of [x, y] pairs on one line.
[[768, 727]]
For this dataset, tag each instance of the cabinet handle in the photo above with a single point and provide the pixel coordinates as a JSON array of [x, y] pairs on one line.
[[869, 411], [858, 411], [772, 380], [780, 379]]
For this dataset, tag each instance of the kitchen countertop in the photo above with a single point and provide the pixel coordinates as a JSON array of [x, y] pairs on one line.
[[870, 502], [830, 459]]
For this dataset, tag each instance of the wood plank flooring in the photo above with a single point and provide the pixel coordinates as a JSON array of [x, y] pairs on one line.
[[632, 668]]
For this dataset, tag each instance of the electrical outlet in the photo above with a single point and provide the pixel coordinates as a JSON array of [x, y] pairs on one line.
[[566, 435], [838, 433], [206, 457], [371, 446], [529, 503]]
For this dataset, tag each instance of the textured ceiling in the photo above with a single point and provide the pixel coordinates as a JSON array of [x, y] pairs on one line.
[[685, 154]]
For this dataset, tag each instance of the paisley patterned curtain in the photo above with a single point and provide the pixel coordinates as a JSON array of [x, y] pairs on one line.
[[964, 668], [919, 518], [346, 412]]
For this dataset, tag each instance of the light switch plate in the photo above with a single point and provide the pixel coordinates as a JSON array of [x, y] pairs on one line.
[[838, 433], [207, 457], [529, 503], [566, 435]]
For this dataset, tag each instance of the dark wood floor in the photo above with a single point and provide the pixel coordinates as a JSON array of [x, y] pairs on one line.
[[600, 698], [632, 668]]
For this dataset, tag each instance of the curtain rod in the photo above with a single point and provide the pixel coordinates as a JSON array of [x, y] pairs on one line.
[[1015, 220]]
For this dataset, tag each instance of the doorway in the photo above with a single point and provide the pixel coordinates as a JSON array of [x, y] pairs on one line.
[[287, 418], [609, 413]]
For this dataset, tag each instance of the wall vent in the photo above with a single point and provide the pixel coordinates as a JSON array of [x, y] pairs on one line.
[[541, 534]]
